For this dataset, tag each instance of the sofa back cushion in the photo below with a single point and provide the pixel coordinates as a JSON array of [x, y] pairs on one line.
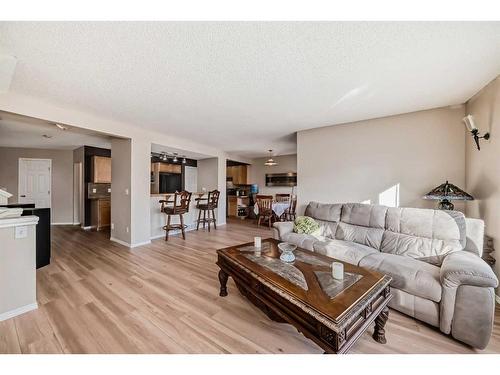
[[362, 223], [326, 215], [424, 234]]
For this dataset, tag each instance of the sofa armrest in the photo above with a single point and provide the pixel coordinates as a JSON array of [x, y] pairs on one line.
[[281, 228], [466, 268], [474, 229]]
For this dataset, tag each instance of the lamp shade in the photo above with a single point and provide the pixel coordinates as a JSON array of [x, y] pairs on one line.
[[449, 192]]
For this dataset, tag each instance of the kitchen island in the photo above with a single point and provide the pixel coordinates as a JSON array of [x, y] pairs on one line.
[[159, 219]]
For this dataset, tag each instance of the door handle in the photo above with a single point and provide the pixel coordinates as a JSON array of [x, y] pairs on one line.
[[23, 196]]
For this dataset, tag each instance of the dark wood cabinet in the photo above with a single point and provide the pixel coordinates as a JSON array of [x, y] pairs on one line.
[[101, 213]]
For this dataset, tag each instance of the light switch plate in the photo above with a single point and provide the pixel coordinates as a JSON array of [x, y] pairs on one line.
[[94, 191], [109, 190], [21, 232]]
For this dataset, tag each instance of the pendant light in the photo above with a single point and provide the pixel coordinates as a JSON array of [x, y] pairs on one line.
[[270, 162], [175, 157]]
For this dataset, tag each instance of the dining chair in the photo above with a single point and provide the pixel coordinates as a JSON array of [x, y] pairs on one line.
[[282, 197], [206, 205], [180, 206], [290, 212], [265, 206]]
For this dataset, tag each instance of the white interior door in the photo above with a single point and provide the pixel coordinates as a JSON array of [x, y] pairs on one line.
[[35, 182]]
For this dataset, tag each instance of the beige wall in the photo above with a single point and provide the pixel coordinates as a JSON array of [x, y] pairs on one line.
[[358, 161], [62, 177], [207, 174], [121, 153], [286, 163], [483, 167]]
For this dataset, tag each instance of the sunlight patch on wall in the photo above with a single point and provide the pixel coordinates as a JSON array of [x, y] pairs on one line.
[[390, 197]]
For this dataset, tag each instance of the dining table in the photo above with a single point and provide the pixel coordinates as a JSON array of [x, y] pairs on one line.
[[278, 208]]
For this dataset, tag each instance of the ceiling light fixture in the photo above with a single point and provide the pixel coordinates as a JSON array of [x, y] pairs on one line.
[[184, 161], [270, 162], [175, 160], [61, 127]]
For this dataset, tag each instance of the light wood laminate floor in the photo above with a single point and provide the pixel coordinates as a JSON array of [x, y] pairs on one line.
[[100, 297]]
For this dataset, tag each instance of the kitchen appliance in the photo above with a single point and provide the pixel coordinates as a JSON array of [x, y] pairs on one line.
[[170, 182]]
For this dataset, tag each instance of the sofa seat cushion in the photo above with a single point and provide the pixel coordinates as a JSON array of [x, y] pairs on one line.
[[305, 241], [345, 251], [412, 276]]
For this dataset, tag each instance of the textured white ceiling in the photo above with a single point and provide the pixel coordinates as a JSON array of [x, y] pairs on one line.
[[26, 132], [248, 86]]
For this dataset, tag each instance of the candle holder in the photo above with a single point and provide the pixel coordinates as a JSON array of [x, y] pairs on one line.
[[257, 242], [338, 271]]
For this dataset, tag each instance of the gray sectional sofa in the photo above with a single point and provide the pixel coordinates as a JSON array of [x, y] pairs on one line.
[[433, 256]]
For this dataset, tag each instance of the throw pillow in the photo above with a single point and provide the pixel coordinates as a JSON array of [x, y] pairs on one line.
[[306, 225]]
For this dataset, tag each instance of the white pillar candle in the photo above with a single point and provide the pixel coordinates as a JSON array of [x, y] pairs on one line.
[[257, 242], [337, 271]]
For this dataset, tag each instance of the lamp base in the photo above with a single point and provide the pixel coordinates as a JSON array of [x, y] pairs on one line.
[[445, 204]]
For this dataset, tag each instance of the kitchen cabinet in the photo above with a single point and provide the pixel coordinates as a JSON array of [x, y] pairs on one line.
[[170, 168], [101, 169], [101, 213], [237, 206], [238, 173]]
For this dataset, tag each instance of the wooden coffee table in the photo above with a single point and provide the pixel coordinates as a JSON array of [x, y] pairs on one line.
[[331, 313]]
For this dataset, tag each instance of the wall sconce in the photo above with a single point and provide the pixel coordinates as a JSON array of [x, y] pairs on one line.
[[469, 123]]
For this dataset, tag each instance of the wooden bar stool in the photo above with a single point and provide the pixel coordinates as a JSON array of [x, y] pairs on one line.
[[180, 207], [212, 202]]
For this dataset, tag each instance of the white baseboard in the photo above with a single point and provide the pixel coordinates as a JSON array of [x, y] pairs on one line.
[[20, 310], [139, 244], [87, 228], [119, 241], [497, 298], [77, 223], [62, 223], [129, 245]]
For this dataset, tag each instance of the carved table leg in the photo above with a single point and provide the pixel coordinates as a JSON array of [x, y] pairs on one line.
[[379, 332], [223, 281]]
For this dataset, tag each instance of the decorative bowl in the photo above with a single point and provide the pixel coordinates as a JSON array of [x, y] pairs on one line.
[[287, 250]]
